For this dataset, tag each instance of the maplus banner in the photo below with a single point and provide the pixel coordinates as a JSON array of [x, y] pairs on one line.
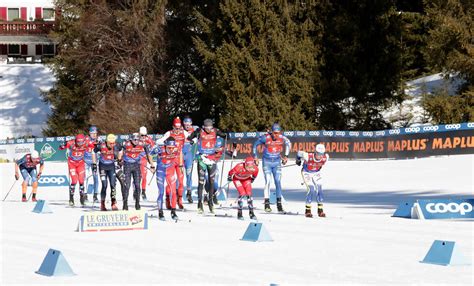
[[393, 146]]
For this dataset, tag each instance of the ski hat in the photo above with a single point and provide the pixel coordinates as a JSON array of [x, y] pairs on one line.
[[34, 154], [170, 145], [170, 141], [111, 138], [143, 130], [208, 123], [135, 137], [93, 129], [250, 163], [177, 122], [219, 142], [320, 149], [80, 139], [276, 127], [187, 120]]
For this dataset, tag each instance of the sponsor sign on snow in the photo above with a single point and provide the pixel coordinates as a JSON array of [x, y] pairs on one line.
[[53, 181], [445, 209], [115, 220]]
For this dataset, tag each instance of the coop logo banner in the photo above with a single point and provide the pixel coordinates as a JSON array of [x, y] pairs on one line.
[[447, 208], [53, 181], [109, 221]]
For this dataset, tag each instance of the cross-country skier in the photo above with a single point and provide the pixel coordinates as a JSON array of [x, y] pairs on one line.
[[188, 155], [77, 148], [311, 172], [26, 165], [206, 138], [92, 138], [274, 142], [147, 141], [108, 153], [216, 157], [179, 135], [133, 150], [166, 161], [243, 175]]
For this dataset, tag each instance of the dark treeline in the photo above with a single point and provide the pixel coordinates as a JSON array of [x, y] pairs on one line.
[[314, 64]]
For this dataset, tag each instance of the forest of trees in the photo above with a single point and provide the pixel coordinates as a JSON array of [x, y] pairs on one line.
[[308, 64]]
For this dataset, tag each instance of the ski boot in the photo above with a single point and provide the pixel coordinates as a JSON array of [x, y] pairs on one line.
[[211, 207], [82, 199], [189, 197], [214, 199], [161, 216], [267, 206], [252, 214], [279, 206], [114, 205], [307, 212], [206, 200], [180, 202], [71, 200], [173, 214], [23, 198], [200, 209], [168, 203], [320, 211], [239, 215], [125, 205], [33, 198], [144, 195], [137, 205], [102, 205], [95, 199]]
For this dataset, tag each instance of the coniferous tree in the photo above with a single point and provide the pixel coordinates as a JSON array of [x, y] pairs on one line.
[[450, 49], [362, 67], [264, 64], [109, 66]]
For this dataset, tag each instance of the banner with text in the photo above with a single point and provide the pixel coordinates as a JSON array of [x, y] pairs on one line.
[[110, 221], [400, 143]]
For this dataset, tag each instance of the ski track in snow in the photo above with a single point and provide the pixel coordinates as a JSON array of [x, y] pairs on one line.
[[359, 242]]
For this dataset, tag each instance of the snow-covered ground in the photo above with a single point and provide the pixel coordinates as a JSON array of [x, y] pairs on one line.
[[22, 112], [359, 242]]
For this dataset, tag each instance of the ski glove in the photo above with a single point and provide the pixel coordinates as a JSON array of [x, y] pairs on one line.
[[38, 176], [284, 160], [152, 168], [252, 178], [94, 167], [17, 176], [298, 161], [230, 177]]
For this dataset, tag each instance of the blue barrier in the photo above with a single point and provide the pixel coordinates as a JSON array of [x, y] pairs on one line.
[[54, 264], [445, 253]]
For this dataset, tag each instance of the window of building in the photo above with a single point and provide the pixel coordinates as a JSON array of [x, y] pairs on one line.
[[13, 49], [48, 49], [48, 13], [13, 14]]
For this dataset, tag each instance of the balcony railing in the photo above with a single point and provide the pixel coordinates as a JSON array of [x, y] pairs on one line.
[[26, 28]]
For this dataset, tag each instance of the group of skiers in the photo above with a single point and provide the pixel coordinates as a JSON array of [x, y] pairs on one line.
[[175, 153]]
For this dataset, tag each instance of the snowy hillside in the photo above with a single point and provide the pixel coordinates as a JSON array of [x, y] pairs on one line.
[[410, 112], [359, 242], [21, 110]]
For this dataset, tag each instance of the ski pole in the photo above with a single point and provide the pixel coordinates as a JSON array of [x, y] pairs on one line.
[[291, 165], [152, 176], [11, 188]]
